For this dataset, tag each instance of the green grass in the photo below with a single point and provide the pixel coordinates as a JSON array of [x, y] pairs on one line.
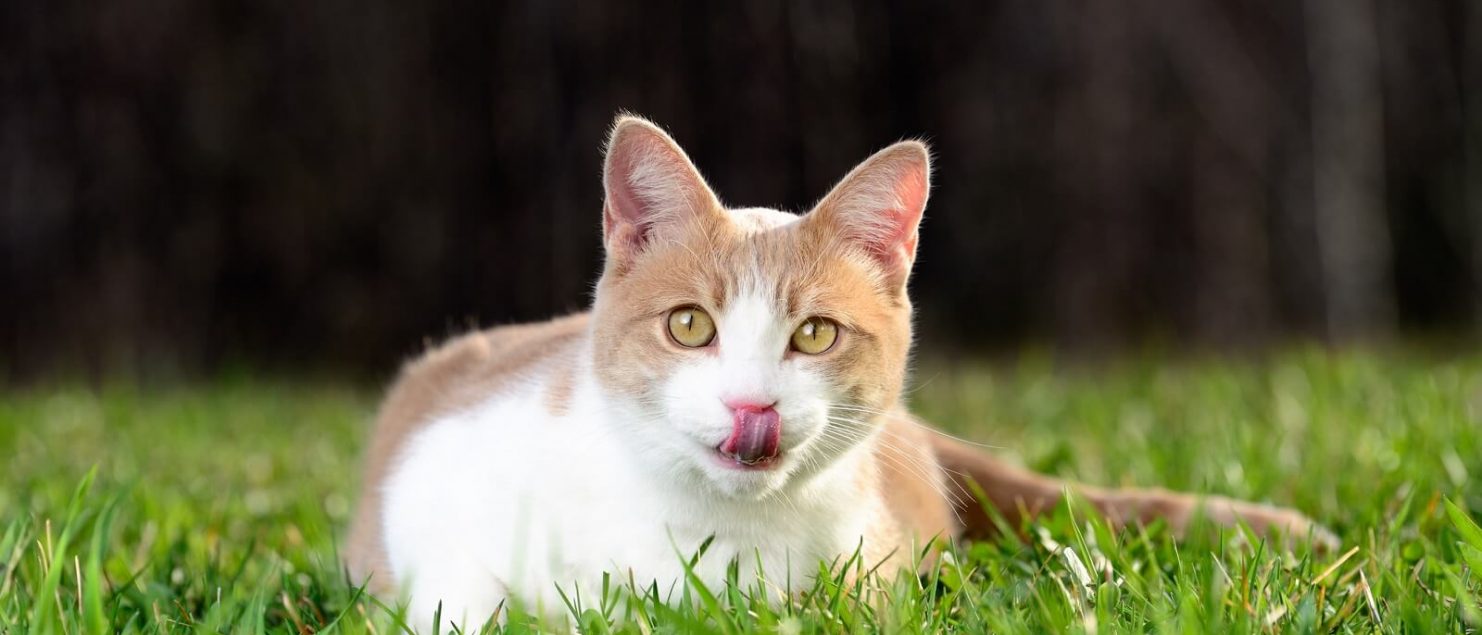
[[217, 508]]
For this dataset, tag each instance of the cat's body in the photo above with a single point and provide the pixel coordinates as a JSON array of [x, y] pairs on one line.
[[739, 377]]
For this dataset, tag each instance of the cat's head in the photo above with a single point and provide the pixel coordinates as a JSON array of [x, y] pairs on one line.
[[753, 347]]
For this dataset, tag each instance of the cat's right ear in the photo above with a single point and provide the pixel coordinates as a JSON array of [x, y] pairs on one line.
[[652, 188], [878, 206]]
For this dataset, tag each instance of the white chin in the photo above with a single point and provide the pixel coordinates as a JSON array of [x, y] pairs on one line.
[[741, 483]]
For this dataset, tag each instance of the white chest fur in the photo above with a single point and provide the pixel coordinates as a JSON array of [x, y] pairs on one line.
[[508, 500]]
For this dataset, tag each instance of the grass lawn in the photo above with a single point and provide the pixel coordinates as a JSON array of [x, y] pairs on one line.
[[217, 507]]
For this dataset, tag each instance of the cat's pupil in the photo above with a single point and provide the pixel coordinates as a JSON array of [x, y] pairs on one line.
[[810, 331], [686, 320]]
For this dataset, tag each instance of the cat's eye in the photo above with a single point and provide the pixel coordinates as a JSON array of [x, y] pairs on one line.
[[691, 326], [815, 335]]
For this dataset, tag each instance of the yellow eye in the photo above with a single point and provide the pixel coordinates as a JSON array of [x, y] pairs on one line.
[[691, 326], [815, 335]]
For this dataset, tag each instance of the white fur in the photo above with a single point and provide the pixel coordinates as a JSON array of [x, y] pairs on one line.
[[508, 500], [757, 219]]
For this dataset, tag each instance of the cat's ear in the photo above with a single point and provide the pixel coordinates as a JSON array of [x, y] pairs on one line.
[[878, 207], [652, 189]]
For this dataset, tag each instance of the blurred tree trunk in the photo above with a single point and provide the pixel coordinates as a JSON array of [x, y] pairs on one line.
[[1103, 223], [1471, 113], [1229, 167], [198, 185], [1348, 155]]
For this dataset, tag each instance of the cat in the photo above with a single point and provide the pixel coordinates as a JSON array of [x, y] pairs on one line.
[[738, 378]]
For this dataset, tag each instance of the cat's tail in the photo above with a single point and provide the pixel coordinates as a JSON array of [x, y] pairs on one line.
[[993, 497], [982, 487]]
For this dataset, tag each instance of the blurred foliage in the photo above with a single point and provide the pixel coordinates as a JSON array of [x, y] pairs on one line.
[[217, 507]]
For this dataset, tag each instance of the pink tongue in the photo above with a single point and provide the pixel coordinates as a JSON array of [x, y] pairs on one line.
[[755, 435]]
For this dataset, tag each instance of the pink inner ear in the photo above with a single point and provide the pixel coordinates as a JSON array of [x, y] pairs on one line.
[[650, 186], [633, 206], [879, 205], [626, 236], [910, 189], [898, 247], [624, 162]]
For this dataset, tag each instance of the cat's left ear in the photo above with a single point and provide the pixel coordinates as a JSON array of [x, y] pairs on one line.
[[653, 191], [878, 208]]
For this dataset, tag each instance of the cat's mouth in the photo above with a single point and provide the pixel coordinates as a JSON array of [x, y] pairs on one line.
[[755, 441], [737, 462]]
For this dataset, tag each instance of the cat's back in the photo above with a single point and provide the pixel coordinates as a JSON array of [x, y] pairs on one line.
[[476, 366], [457, 375]]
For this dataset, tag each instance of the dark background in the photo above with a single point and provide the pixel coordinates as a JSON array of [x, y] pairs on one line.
[[188, 184]]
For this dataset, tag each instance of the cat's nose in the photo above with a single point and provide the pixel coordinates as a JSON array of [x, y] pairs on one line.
[[748, 401], [756, 434]]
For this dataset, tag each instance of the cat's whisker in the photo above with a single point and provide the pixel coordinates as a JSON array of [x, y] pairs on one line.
[[871, 427], [958, 498], [922, 472], [896, 416], [903, 460], [924, 384], [864, 429]]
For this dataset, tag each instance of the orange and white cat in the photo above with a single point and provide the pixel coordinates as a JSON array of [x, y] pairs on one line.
[[739, 376]]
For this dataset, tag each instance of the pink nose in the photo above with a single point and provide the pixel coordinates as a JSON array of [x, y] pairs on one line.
[[756, 433]]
